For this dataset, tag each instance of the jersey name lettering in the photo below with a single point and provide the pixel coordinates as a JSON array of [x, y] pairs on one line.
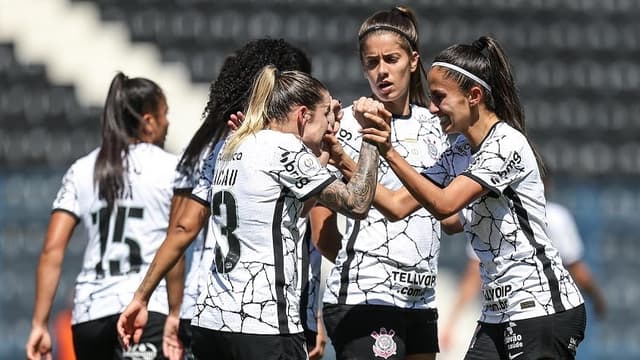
[[225, 177]]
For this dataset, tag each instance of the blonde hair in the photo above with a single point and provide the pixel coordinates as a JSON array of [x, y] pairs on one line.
[[273, 94]]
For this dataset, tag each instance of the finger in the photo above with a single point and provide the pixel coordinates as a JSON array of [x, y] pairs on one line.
[[31, 352], [375, 132], [314, 351], [120, 325], [232, 125], [374, 139], [177, 353], [124, 341], [377, 121], [137, 334]]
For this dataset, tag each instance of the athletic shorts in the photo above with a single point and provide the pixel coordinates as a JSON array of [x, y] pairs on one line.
[[378, 331], [185, 336], [222, 345], [98, 340], [310, 338], [555, 336]]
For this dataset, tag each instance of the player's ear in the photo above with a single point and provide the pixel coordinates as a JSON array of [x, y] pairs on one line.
[[475, 95], [147, 124]]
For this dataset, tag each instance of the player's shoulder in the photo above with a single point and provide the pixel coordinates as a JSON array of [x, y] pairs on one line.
[[422, 114], [85, 164], [158, 154], [460, 146], [504, 139], [269, 139]]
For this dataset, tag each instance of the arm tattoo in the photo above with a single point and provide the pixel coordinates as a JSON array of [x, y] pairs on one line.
[[354, 199]]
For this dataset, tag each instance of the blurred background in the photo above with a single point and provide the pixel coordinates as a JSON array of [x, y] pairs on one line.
[[576, 63]]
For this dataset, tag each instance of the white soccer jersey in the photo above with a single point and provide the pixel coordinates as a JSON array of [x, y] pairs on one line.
[[199, 254], [383, 262], [562, 230], [310, 261], [256, 196], [522, 274], [122, 243]]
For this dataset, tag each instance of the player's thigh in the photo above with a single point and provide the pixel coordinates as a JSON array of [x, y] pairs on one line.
[[96, 339], [221, 345], [366, 331], [422, 333]]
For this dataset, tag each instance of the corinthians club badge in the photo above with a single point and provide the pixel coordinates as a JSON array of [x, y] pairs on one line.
[[384, 346]]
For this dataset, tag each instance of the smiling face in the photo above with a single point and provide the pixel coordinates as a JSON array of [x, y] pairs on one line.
[[388, 67], [316, 123], [448, 102]]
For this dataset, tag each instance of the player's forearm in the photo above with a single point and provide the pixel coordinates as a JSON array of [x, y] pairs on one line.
[[166, 257], [426, 194], [354, 199], [346, 165], [47, 279], [362, 185], [324, 231], [175, 286]]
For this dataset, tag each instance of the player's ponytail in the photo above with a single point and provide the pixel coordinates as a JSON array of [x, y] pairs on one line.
[[272, 96], [126, 101], [255, 117]]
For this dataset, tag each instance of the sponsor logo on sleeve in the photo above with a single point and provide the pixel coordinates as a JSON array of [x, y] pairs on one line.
[[511, 167]]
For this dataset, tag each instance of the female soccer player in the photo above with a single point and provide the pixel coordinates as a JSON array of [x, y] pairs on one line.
[[227, 95], [121, 192], [532, 308], [380, 296], [266, 173]]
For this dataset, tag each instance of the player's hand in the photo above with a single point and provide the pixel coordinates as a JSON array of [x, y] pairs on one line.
[[235, 120], [321, 341], [380, 131], [172, 347], [335, 116], [364, 106], [39, 344], [131, 323]]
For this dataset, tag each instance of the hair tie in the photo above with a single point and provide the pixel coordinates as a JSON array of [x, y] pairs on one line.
[[389, 28], [463, 72]]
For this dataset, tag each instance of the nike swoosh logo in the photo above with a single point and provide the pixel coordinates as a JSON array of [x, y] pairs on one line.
[[513, 356]]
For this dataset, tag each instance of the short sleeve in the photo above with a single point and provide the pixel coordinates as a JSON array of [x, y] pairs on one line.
[[67, 198], [202, 190], [297, 169], [182, 182], [497, 165], [451, 163]]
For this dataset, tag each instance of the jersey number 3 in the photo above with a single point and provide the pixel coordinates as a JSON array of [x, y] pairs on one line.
[[225, 264], [102, 218]]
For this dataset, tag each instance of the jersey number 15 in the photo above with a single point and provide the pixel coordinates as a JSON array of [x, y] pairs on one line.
[[102, 218]]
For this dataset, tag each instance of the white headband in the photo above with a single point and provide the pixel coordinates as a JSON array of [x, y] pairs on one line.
[[463, 72]]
